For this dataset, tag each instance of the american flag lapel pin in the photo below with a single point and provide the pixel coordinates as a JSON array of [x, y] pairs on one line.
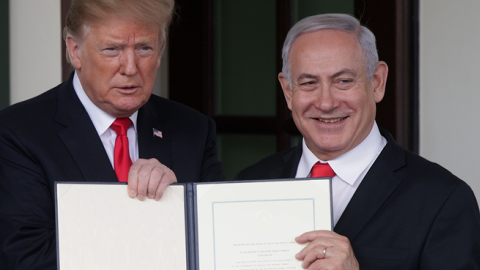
[[157, 133]]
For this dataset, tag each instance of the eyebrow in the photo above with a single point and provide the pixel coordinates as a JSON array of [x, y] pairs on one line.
[[337, 74], [344, 71], [307, 76], [111, 42], [119, 40]]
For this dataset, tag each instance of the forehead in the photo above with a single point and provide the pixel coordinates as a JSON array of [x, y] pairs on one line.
[[120, 28], [326, 50]]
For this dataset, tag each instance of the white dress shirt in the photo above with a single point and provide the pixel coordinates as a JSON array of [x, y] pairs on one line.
[[350, 168], [102, 122]]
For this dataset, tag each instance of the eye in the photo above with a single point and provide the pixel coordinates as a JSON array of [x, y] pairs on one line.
[[145, 50], [110, 51], [309, 85], [344, 83]]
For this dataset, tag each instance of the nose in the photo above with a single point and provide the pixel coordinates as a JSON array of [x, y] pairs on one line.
[[128, 63], [326, 99]]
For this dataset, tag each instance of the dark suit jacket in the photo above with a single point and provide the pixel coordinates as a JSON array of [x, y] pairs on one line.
[[51, 138], [408, 213]]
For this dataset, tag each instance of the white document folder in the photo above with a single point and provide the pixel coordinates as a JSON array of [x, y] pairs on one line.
[[195, 226]]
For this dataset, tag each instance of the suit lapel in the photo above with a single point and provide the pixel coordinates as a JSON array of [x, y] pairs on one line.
[[289, 169], [81, 138], [151, 146], [376, 187]]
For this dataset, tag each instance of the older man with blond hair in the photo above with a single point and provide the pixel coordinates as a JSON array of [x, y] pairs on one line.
[[102, 125]]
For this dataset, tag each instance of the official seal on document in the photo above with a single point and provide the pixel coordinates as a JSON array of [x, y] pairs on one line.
[[263, 218]]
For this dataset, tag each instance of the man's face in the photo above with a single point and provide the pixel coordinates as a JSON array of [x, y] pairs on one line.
[[117, 62], [333, 103]]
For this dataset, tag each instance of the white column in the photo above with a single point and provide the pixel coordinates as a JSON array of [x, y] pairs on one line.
[[35, 47], [449, 86]]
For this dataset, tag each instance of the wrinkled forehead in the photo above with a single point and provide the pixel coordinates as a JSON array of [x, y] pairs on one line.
[[106, 25], [326, 47], [326, 51], [324, 40]]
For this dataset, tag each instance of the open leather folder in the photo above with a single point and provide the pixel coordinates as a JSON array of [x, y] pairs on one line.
[[195, 226]]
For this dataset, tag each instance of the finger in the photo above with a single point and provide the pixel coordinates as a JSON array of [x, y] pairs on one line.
[[310, 236], [167, 179], [133, 179], [318, 253], [322, 264], [143, 180], [336, 259], [154, 182], [320, 241]]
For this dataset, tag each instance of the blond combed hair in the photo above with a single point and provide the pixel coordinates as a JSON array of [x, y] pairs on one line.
[[157, 13]]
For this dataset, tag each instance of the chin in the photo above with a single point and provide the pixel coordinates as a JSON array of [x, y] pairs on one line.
[[129, 105], [120, 112], [329, 146]]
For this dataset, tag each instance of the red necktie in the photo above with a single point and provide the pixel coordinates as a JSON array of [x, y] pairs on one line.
[[322, 170], [121, 156]]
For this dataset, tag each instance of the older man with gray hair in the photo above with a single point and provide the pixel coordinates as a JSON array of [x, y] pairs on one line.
[[391, 208], [102, 125]]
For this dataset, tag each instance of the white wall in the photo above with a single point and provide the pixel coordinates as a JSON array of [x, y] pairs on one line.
[[450, 86], [35, 47]]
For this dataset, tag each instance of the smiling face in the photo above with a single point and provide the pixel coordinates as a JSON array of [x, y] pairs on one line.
[[117, 62], [333, 103]]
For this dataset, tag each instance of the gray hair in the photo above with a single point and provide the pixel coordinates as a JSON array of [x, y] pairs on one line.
[[342, 22]]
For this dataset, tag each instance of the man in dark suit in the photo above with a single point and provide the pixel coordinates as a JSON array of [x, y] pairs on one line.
[[392, 209], [69, 133]]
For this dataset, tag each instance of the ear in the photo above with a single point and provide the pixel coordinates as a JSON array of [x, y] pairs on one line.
[[73, 50], [379, 81], [163, 47], [159, 60], [287, 91]]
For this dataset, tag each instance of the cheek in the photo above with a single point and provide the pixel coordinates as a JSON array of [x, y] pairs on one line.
[[365, 108], [302, 102], [296, 106], [148, 69]]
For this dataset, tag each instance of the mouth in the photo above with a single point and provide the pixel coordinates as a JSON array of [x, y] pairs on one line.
[[127, 89], [331, 120]]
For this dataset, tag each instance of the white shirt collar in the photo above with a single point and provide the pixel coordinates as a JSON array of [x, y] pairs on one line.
[[101, 120], [350, 165]]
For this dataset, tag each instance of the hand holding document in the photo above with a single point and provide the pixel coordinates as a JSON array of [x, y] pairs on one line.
[[253, 226], [243, 225]]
